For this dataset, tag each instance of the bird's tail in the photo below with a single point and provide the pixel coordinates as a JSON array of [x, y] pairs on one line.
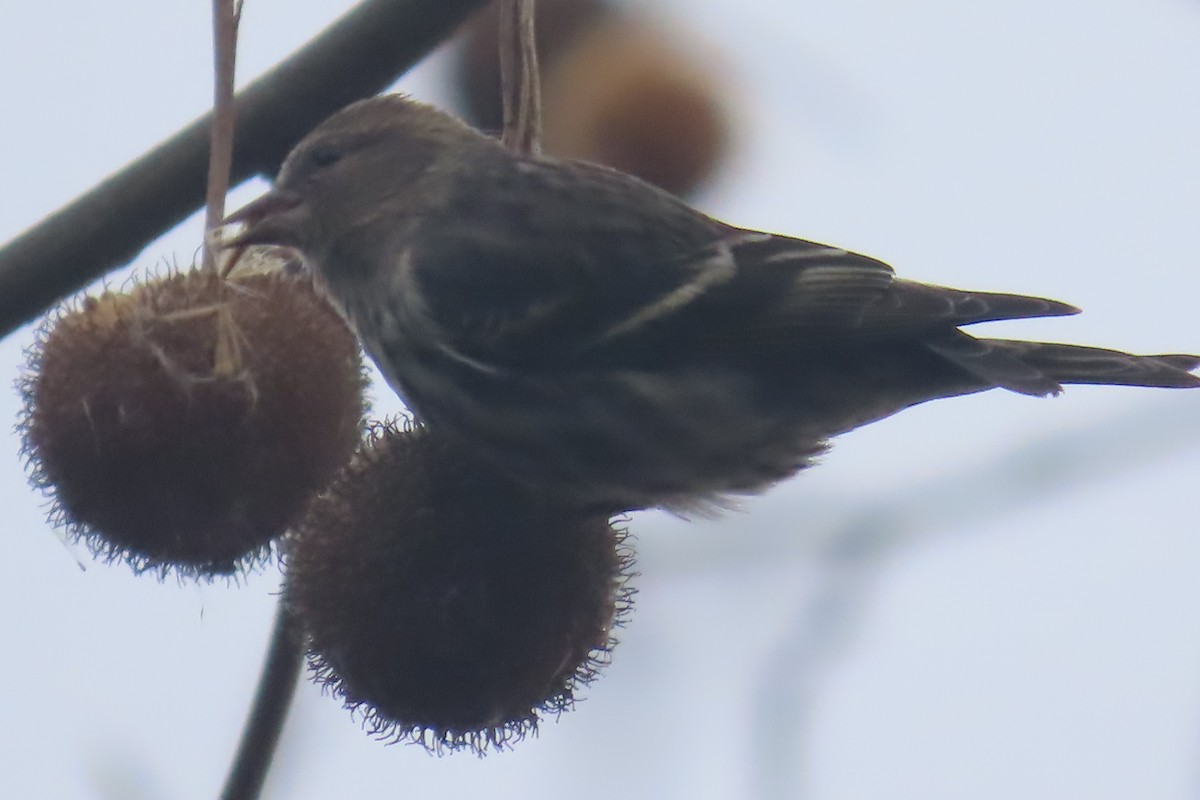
[[1041, 368]]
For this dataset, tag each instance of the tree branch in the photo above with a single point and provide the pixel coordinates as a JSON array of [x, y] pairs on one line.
[[357, 56], [276, 686]]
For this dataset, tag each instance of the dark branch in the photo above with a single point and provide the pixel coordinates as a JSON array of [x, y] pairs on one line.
[[276, 686], [359, 55]]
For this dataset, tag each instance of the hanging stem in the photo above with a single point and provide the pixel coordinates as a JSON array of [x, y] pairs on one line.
[[520, 83], [226, 16], [285, 653]]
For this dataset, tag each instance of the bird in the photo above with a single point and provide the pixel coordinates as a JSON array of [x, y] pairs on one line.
[[603, 343]]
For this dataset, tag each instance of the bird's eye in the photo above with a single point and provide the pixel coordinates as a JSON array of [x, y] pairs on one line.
[[324, 156]]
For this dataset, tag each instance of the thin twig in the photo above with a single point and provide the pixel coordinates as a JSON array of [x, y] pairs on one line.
[[358, 56], [276, 686], [226, 16], [520, 82]]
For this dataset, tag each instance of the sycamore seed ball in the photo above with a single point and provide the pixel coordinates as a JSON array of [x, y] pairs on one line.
[[642, 100], [618, 88], [183, 424], [443, 605], [558, 24]]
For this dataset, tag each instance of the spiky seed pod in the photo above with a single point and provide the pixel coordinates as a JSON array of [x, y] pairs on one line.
[[447, 607], [183, 424], [640, 99]]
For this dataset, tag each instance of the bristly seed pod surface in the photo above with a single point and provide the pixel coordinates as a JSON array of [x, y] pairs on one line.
[[183, 425], [448, 608]]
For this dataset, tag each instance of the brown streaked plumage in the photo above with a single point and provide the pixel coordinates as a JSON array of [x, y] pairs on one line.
[[602, 341]]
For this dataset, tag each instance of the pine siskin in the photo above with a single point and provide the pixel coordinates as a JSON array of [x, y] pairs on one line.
[[600, 340]]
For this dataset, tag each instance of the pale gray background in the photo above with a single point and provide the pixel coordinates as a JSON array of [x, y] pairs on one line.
[[1047, 146]]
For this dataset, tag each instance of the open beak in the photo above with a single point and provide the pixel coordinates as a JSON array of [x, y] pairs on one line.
[[270, 219]]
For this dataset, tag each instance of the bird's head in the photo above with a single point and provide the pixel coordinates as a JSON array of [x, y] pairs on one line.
[[377, 157]]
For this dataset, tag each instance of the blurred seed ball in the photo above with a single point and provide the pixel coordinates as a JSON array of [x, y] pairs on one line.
[[557, 25], [447, 607], [182, 425], [618, 89], [640, 99]]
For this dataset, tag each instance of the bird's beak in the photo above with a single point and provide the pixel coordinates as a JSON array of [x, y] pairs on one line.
[[271, 219]]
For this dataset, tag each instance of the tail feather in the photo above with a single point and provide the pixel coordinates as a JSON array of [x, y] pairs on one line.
[[1068, 363], [1041, 368], [991, 361]]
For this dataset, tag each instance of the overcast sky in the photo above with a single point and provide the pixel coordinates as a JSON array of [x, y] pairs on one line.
[[991, 597]]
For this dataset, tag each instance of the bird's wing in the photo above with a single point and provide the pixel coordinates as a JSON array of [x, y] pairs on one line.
[[535, 269], [793, 293], [552, 274]]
